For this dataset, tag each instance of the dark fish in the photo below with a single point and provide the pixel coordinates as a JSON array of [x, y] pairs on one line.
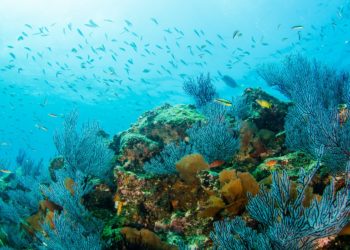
[[154, 20], [12, 55], [91, 24], [80, 32], [229, 81], [128, 22], [236, 34], [196, 32]]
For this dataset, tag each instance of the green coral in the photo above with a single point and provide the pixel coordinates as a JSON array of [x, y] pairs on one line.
[[291, 162], [177, 115], [111, 231], [130, 139], [171, 115]]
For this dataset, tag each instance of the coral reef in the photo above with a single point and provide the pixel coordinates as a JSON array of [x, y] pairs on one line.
[[150, 133], [182, 178]]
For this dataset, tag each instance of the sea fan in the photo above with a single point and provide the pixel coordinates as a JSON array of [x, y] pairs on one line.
[[320, 112], [201, 90], [286, 223]]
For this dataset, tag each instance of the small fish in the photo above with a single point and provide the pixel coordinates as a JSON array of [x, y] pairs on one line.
[[80, 32], [154, 20], [229, 81], [343, 114], [280, 134], [220, 37], [91, 24], [236, 34], [216, 164], [196, 32], [264, 104], [128, 22], [118, 204], [5, 171], [69, 185], [52, 115], [41, 127], [297, 27], [223, 102], [12, 55], [271, 163], [146, 71]]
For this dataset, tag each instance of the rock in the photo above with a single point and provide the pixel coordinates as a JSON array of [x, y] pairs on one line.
[[150, 133], [261, 132], [264, 118]]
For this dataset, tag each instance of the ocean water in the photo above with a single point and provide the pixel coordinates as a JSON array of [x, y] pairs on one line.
[[113, 60], [128, 64]]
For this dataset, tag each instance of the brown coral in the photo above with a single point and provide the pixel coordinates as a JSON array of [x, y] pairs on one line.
[[144, 239], [189, 166]]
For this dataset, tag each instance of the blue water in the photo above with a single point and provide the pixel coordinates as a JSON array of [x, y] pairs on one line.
[[51, 61]]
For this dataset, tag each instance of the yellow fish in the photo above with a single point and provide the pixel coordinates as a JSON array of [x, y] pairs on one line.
[[223, 102], [264, 104]]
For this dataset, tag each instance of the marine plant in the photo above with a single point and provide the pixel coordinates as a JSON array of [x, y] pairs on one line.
[[87, 151], [68, 234], [285, 223], [164, 162], [320, 111], [201, 90], [214, 138], [20, 199], [86, 156]]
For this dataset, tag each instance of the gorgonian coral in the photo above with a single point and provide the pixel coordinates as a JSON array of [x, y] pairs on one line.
[[285, 222], [320, 113], [201, 90]]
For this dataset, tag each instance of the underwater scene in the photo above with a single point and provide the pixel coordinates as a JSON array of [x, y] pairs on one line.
[[174, 124]]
